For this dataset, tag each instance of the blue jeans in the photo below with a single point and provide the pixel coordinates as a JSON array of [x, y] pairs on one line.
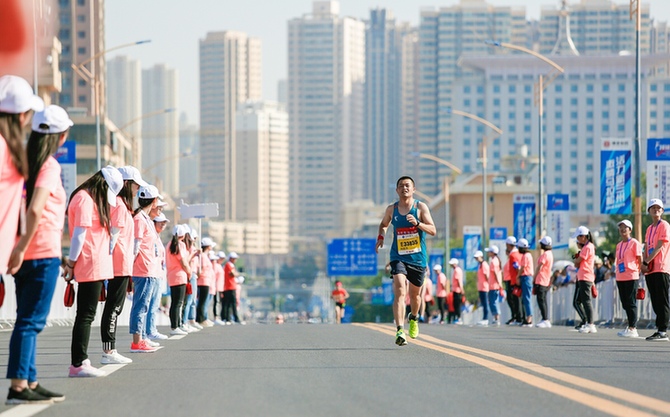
[[526, 292], [493, 302], [154, 304], [484, 303], [35, 285], [189, 304], [143, 287]]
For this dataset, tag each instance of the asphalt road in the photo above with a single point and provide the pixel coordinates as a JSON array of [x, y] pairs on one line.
[[357, 370]]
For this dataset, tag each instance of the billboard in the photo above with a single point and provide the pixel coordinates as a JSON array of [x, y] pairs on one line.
[[615, 176]]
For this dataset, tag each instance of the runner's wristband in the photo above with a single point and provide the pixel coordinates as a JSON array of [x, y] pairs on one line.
[[380, 237]]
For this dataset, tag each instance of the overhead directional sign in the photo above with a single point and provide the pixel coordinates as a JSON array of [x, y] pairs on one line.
[[352, 257], [67, 158]]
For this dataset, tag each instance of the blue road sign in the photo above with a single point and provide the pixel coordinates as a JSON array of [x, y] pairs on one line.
[[352, 257]]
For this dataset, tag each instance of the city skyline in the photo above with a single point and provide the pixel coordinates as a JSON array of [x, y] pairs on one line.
[[175, 39]]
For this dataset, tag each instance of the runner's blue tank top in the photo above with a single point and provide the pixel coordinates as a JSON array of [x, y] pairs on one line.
[[409, 243]]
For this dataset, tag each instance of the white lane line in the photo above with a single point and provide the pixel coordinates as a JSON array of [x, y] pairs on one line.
[[25, 410], [177, 337], [111, 368]]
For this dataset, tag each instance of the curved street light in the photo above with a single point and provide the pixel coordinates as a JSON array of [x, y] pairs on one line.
[[94, 79], [497, 130], [542, 83]]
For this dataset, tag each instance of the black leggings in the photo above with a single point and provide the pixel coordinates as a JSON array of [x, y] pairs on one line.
[[457, 304], [627, 290], [200, 313], [177, 294], [88, 294], [116, 298], [230, 306], [582, 301], [541, 293], [441, 304]]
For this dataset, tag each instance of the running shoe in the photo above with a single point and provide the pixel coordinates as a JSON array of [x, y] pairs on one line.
[[142, 347], [114, 357], [413, 328], [55, 397], [400, 338], [26, 396], [178, 332], [152, 343], [157, 336], [192, 323], [658, 337], [85, 370], [588, 328], [483, 323], [632, 333]]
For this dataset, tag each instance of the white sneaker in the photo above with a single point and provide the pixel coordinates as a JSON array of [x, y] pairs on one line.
[[188, 328], [178, 332], [219, 322], [544, 324], [205, 323], [114, 357], [86, 370], [157, 336], [152, 343], [483, 323], [194, 324], [632, 333], [588, 328], [495, 323]]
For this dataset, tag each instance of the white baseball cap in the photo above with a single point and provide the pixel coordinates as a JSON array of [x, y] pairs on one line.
[[511, 240], [437, 267], [627, 223], [221, 254], [493, 249], [160, 219], [130, 173], [581, 231], [213, 256], [148, 192], [453, 261], [161, 203], [114, 182], [179, 230], [478, 254], [53, 119], [16, 96], [233, 255], [655, 202], [522, 243], [192, 232], [207, 241], [546, 240]]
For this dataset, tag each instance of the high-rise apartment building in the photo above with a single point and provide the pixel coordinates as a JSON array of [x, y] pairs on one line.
[[263, 172], [124, 101], [597, 27], [326, 77], [389, 97], [82, 36], [445, 36], [160, 129], [230, 74]]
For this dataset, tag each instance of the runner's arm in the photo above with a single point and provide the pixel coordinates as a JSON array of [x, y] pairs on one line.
[[426, 220], [386, 220]]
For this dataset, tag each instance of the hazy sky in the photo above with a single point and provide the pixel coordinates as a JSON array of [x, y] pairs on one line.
[[176, 26]]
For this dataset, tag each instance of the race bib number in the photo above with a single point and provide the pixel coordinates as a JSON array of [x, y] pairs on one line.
[[408, 241]]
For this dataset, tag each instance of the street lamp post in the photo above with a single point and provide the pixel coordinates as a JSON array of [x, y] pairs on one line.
[[636, 11], [445, 192], [484, 161], [136, 154], [542, 83], [94, 79]]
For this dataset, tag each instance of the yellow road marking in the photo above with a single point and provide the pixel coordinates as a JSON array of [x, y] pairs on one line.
[[589, 400]]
